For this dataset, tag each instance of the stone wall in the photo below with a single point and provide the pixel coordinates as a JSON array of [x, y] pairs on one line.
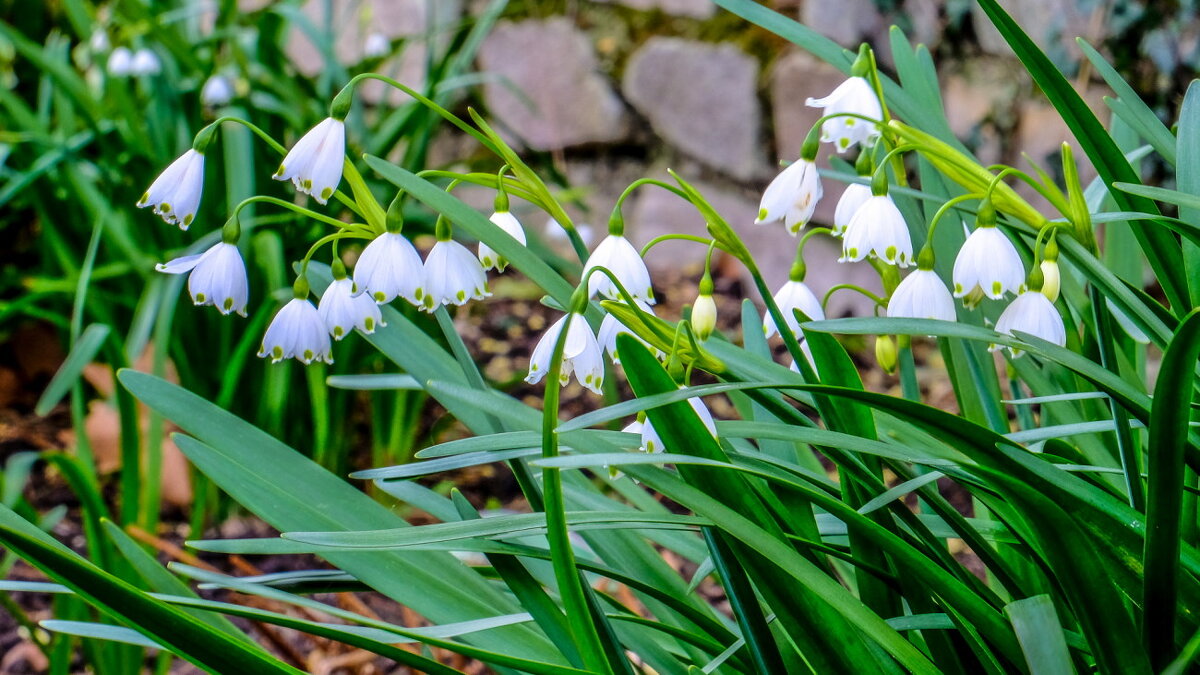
[[615, 90]]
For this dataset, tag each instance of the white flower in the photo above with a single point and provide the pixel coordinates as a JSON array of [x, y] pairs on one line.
[[1032, 313], [388, 267], [1051, 279], [343, 309], [922, 295], [611, 327], [855, 195], [878, 230], [509, 223], [651, 442], [144, 62], [618, 256], [175, 194], [555, 231], [218, 277], [99, 41], [297, 330], [217, 91], [792, 196], [806, 350], [120, 62], [989, 261], [452, 276], [314, 164], [376, 45], [856, 96], [581, 354], [793, 295]]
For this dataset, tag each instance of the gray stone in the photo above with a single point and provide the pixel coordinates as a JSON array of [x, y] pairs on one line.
[[545, 87], [846, 22], [1040, 134], [925, 21], [701, 99], [696, 9], [657, 212]]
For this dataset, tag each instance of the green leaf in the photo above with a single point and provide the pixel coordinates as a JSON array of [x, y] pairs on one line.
[[391, 381], [100, 631], [1041, 635], [85, 349], [1165, 470], [1136, 113], [1187, 177]]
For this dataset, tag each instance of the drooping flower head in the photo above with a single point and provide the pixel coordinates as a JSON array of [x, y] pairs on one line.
[[453, 275], [855, 195], [217, 91], [1033, 313], [376, 45], [794, 294], [922, 294], [581, 354], [389, 267], [297, 331], [611, 327], [856, 97], [792, 196], [988, 263], [175, 194], [343, 308], [145, 62], [508, 222], [218, 277], [120, 62], [878, 230], [314, 164], [652, 442], [618, 256]]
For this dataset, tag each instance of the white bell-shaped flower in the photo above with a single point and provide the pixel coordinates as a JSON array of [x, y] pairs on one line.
[[144, 62], [376, 45], [806, 350], [854, 96], [792, 196], [218, 277], [855, 195], [343, 309], [581, 354], [175, 194], [618, 256], [988, 261], [314, 164], [652, 442], [611, 327], [878, 230], [217, 91], [1033, 313], [922, 295], [389, 267], [297, 331], [453, 275], [790, 296], [509, 223], [120, 62]]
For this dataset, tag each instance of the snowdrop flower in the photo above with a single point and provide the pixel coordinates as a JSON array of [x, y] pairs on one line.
[[922, 295], [314, 164], [388, 267], [453, 275], [145, 62], [854, 96], [794, 294], [611, 327], [509, 223], [855, 195], [879, 231], [376, 45], [297, 331], [791, 196], [989, 262], [120, 62], [1033, 313], [343, 308], [618, 256], [806, 350], [218, 277], [175, 194], [217, 91], [98, 42], [652, 442], [581, 354]]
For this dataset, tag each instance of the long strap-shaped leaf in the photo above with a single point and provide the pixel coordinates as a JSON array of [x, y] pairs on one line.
[[1169, 417], [199, 643], [1160, 247]]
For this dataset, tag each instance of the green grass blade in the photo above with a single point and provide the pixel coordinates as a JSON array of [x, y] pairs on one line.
[[1041, 635], [1139, 115], [85, 349]]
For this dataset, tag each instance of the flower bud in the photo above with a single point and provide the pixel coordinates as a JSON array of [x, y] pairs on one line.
[[1050, 280], [885, 353], [704, 316]]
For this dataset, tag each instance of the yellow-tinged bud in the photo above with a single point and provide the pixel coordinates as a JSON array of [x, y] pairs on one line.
[[704, 316], [1050, 279], [885, 353]]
